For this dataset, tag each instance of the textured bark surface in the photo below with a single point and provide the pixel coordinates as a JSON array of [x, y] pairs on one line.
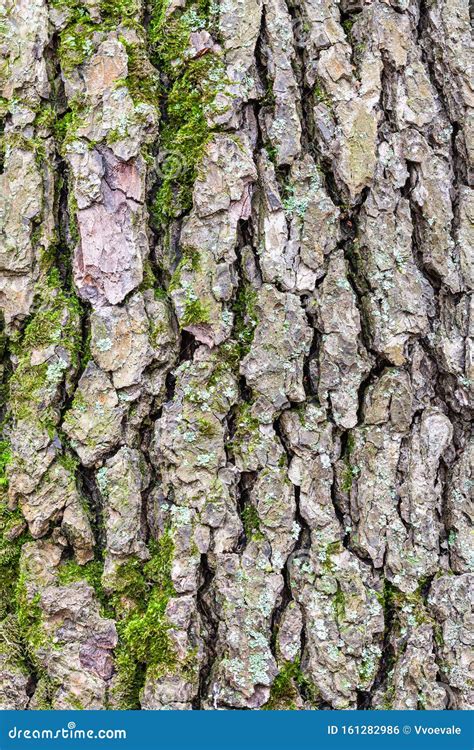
[[235, 275]]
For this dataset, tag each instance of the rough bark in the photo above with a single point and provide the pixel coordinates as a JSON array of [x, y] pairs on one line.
[[235, 275]]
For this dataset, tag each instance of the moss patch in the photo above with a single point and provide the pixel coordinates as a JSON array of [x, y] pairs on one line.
[[192, 84], [75, 41], [287, 687], [195, 312], [10, 551], [5, 456], [55, 323], [339, 604], [91, 572], [251, 522], [246, 319], [333, 548], [120, 10], [349, 472], [145, 644], [137, 603]]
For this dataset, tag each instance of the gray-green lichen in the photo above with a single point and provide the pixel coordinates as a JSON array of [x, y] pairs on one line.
[[236, 341]]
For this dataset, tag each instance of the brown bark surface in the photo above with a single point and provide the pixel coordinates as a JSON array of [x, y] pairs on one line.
[[235, 280]]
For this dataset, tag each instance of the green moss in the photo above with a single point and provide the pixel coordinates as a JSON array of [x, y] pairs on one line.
[[117, 10], [131, 582], [22, 624], [287, 687], [195, 312], [397, 607], [191, 261], [129, 681], [12, 645], [350, 443], [138, 603], [388, 698], [149, 279], [69, 462], [71, 6], [191, 89], [158, 568], [20, 141], [348, 24], [65, 127], [44, 693], [301, 412], [70, 572], [205, 427], [184, 136], [246, 319], [142, 80], [55, 323], [387, 597], [350, 472], [46, 327], [284, 692], [46, 117], [160, 294], [10, 551], [5, 456], [75, 703], [416, 602], [246, 431], [347, 479], [393, 600], [438, 635], [72, 215], [75, 41], [268, 99], [321, 95], [146, 636], [251, 522], [359, 48], [30, 617], [339, 604], [145, 644], [334, 548], [272, 153]]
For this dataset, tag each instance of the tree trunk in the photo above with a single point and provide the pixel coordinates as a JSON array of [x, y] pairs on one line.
[[237, 374]]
